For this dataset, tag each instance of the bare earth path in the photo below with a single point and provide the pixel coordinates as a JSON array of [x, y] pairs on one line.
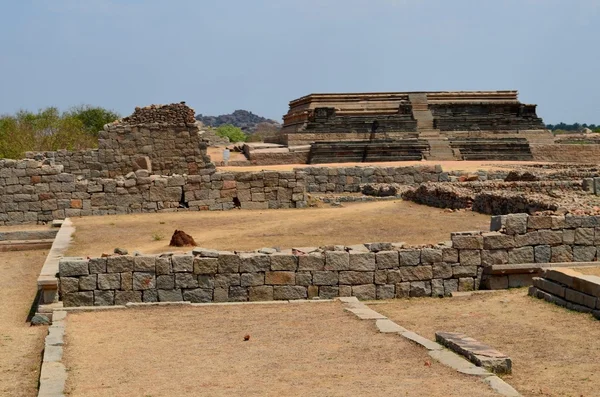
[[294, 350], [555, 351], [20, 345], [383, 221]]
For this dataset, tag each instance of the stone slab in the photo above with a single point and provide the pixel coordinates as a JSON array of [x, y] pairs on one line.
[[387, 326], [477, 352], [418, 339]]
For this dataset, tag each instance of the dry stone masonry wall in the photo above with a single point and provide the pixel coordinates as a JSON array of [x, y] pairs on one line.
[[369, 271]]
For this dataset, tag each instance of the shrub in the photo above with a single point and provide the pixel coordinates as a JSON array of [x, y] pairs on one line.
[[235, 134]]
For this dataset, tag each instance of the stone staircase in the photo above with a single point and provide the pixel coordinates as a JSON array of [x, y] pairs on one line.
[[439, 146]]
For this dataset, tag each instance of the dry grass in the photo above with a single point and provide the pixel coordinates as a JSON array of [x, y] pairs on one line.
[[13, 228], [554, 351], [20, 344], [387, 221], [294, 350]]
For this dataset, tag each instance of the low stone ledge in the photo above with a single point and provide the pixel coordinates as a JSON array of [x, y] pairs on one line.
[[478, 353]]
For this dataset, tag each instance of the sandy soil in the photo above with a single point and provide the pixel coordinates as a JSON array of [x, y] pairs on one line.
[[13, 228], [592, 271], [20, 345], [294, 350], [386, 221], [469, 166], [554, 351]]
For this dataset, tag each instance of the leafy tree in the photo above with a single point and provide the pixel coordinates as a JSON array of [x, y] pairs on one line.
[[93, 118], [234, 134], [46, 130]]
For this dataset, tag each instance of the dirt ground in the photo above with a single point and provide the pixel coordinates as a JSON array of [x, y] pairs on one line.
[[13, 228], [469, 166], [592, 271], [20, 345], [294, 350], [381, 221], [554, 350]]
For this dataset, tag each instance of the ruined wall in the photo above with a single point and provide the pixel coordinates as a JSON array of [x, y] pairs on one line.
[[372, 271], [32, 191], [349, 179], [163, 139], [573, 153]]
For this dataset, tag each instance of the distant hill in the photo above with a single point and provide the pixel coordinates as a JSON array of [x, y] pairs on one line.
[[243, 119]]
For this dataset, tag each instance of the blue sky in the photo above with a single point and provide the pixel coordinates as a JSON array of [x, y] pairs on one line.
[[222, 55]]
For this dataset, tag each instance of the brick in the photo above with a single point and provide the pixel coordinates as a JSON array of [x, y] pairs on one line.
[[386, 291], [584, 236], [469, 242], [69, 284], [78, 299], [416, 273], [73, 267], [325, 278], [126, 281], [174, 295], [337, 260], [228, 262], [449, 255], [205, 265], [470, 257], [464, 271], [542, 253], [165, 281], [143, 281], [328, 292], [494, 257], [289, 292], [312, 261], [252, 279], [562, 253], [198, 295], [516, 223], [104, 298], [182, 263], [185, 280], [109, 281], [431, 255], [227, 279], [124, 297], [521, 255], [163, 265], [364, 292], [260, 293], [494, 241], [144, 263], [420, 289], [119, 264], [402, 290], [409, 257], [584, 253], [97, 265], [442, 270], [87, 283], [253, 263]]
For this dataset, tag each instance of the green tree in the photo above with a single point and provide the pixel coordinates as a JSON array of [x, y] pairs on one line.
[[46, 130], [93, 118], [235, 134]]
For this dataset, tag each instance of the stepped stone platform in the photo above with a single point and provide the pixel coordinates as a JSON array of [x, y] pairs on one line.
[[492, 149], [369, 151]]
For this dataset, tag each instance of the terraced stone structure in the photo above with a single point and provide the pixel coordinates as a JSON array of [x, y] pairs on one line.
[[454, 125]]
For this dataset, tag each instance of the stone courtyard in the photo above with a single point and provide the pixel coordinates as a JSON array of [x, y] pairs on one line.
[[530, 224]]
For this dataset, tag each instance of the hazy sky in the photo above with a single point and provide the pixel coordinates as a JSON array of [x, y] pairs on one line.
[[222, 55]]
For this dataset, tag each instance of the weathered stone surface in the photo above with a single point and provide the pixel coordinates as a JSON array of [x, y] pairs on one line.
[[144, 263], [337, 260], [420, 288], [364, 292], [584, 253], [170, 295], [569, 236], [468, 242], [362, 261], [562, 253], [163, 265], [516, 223], [252, 263], [166, 281], [260, 293], [402, 290], [87, 283], [539, 222], [184, 280], [386, 291], [97, 265], [228, 262], [584, 236], [182, 263], [580, 298], [325, 278], [119, 264], [72, 299], [143, 281], [109, 281], [521, 255], [450, 286], [519, 280], [409, 257], [328, 292], [311, 262], [221, 294], [464, 271], [104, 298], [449, 255], [69, 284], [387, 259], [73, 267], [416, 273], [304, 279], [289, 292], [442, 270], [356, 278], [227, 279], [252, 279], [549, 286], [284, 262], [124, 297], [542, 253], [280, 278], [478, 353], [494, 257], [198, 295], [205, 265], [470, 257], [466, 284], [437, 287], [431, 255]]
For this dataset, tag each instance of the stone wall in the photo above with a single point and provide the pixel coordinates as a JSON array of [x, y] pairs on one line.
[[349, 179], [369, 271], [32, 191], [163, 139], [566, 153]]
